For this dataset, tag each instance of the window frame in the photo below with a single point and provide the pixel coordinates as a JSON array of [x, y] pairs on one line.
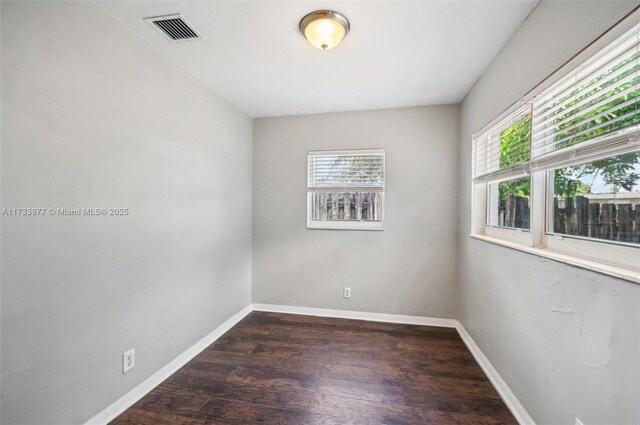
[[490, 205], [352, 224], [610, 251], [480, 190], [479, 225], [614, 258]]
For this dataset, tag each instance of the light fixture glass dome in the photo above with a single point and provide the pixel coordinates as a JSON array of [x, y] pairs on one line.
[[324, 28]]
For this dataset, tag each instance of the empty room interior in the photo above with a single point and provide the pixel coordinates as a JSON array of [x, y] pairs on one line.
[[320, 212]]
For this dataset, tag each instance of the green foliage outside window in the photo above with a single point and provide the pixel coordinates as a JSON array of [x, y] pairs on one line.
[[618, 171], [515, 148], [579, 122], [515, 143]]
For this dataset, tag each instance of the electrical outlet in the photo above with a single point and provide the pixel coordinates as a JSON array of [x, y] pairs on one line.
[[347, 292], [129, 360]]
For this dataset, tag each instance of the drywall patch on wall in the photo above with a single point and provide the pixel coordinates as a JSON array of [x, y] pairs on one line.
[[595, 329], [589, 313], [563, 311]]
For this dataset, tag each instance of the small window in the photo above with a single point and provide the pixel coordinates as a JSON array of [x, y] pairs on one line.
[[345, 189], [508, 203], [502, 167]]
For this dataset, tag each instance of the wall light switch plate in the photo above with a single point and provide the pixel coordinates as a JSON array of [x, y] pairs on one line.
[[129, 360], [579, 422], [347, 292]]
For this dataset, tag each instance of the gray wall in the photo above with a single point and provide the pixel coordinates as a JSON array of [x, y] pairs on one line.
[[566, 340], [409, 268], [93, 118]]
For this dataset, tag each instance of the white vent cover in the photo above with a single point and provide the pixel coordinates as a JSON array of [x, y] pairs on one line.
[[174, 27]]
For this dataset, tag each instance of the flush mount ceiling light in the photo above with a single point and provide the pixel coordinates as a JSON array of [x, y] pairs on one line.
[[324, 28]]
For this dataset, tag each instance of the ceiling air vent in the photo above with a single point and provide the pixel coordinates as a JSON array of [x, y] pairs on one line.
[[174, 27]]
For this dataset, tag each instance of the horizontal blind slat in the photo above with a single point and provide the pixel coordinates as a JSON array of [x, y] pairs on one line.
[[346, 189], [610, 53], [542, 120], [519, 170], [583, 115], [602, 98], [572, 136], [335, 170], [603, 147], [541, 105], [596, 101], [504, 145]]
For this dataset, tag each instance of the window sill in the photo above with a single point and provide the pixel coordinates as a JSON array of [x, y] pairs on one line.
[[357, 229], [345, 225], [584, 263]]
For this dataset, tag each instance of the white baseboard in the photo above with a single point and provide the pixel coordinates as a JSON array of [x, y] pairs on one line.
[[127, 400], [509, 398], [130, 398], [359, 315]]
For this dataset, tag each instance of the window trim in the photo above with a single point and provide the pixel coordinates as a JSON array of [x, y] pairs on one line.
[[594, 265], [621, 254], [613, 258], [479, 224]]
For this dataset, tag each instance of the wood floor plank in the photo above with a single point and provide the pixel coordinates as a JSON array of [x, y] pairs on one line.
[[364, 411], [394, 376], [135, 416], [274, 368], [171, 399], [239, 413], [270, 394]]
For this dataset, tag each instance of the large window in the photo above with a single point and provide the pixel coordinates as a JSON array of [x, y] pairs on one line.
[[561, 171], [345, 189]]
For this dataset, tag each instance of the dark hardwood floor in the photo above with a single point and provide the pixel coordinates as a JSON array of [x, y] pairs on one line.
[[276, 368]]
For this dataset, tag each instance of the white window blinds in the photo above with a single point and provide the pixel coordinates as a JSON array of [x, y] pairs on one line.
[[347, 170], [592, 112], [504, 150]]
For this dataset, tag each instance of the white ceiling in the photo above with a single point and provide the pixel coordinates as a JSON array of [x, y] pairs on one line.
[[397, 53]]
